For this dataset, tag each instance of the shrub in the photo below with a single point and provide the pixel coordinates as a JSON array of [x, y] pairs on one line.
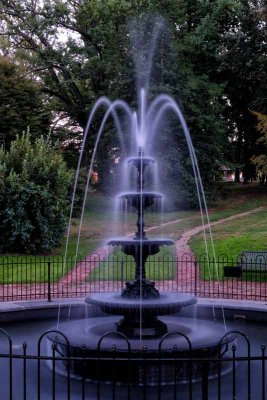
[[34, 196]]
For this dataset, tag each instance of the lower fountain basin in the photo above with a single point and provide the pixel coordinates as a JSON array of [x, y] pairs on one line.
[[109, 355], [29, 325], [86, 334]]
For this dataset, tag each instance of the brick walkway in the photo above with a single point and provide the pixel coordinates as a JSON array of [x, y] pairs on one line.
[[188, 279]]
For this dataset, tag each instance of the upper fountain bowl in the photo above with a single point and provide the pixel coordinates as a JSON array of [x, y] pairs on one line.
[[140, 162]]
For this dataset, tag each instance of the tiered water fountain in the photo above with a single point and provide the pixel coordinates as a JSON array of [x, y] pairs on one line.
[[139, 320], [140, 302], [134, 324]]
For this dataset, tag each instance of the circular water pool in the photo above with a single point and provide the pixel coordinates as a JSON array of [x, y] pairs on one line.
[[25, 374]]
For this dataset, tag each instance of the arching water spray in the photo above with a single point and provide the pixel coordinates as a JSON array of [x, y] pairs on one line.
[[165, 103], [103, 101]]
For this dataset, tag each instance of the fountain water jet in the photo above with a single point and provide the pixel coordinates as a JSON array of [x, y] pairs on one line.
[[140, 314]]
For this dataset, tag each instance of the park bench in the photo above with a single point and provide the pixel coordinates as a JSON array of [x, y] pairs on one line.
[[248, 261]]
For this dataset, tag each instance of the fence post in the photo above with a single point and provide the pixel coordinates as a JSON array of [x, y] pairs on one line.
[[49, 282], [122, 266], [195, 265], [205, 380]]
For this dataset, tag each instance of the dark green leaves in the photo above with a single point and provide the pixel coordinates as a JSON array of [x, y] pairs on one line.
[[34, 196]]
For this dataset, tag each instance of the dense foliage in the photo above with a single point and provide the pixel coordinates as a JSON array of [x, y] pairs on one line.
[[34, 196], [210, 58], [260, 159], [21, 103]]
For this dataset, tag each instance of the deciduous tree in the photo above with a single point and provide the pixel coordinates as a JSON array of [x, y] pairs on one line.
[[21, 103], [34, 196]]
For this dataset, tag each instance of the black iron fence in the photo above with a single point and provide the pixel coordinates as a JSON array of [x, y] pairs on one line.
[[23, 278], [38, 371]]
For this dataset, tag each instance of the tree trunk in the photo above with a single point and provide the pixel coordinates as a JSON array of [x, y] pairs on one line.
[[237, 175]]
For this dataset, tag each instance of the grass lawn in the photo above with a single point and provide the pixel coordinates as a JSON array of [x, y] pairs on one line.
[[98, 226], [30, 268], [101, 224], [230, 239]]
